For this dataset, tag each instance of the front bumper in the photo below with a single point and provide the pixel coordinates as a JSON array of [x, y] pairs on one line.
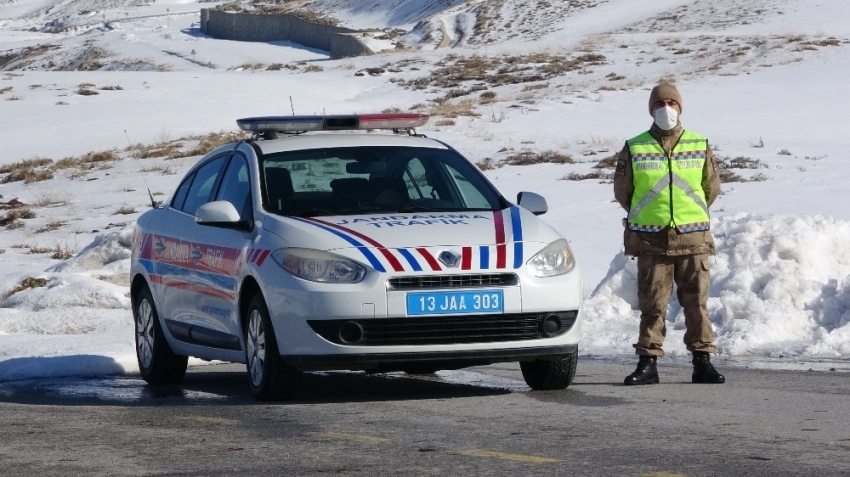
[[435, 360]]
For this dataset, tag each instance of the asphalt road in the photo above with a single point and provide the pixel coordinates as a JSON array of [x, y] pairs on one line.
[[479, 421]]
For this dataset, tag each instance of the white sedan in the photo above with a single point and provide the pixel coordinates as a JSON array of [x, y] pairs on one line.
[[319, 245]]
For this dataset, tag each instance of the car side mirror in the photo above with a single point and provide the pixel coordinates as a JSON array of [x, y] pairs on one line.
[[532, 202], [221, 213]]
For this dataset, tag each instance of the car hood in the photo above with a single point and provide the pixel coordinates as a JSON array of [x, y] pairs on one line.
[[503, 237]]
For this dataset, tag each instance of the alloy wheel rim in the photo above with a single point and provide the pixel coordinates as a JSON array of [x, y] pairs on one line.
[[256, 348], [144, 334]]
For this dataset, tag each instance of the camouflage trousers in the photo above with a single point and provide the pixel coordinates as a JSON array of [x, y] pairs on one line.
[[656, 276]]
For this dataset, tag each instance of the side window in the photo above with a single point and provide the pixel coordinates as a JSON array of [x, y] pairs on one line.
[[182, 191], [235, 187], [202, 187], [470, 195]]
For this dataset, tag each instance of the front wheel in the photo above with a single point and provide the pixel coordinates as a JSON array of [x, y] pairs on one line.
[[271, 378], [157, 362], [546, 375]]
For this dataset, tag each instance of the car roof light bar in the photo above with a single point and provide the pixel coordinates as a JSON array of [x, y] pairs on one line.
[[351, 122]]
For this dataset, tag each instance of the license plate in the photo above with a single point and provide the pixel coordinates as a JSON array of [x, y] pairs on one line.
[[455, 303]]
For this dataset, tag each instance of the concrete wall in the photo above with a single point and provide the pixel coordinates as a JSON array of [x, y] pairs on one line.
[[344, 45], [254, 27]]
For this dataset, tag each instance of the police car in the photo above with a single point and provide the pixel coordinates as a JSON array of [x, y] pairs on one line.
[[349, 242]]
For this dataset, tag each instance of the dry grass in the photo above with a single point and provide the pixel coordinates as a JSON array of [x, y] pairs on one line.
[[487, 97], [449, 109], [740, 162], [176, 149], [13, 218], [86, 92], [165, 148], [486, 165], [87, 58], [546, 157], [159, 169], [24, 57], [609, 162], [600, 175], [28, 171], [728, 176], [455, 71], [125, 211], [209, 142], [88, 160], [58, 251], [30, 282], [80, 166], [50, 227], [252, 66], [25, 165]]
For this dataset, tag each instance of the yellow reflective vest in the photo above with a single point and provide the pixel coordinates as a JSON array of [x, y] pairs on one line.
[[668, 189]]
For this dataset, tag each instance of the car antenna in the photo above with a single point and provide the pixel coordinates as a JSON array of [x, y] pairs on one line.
[[292, 105], [150, 194]]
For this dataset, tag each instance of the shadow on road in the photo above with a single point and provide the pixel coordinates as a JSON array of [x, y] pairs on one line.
[[231, 387]]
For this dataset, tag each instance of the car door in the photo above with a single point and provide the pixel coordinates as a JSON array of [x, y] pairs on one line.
[[202, 296]]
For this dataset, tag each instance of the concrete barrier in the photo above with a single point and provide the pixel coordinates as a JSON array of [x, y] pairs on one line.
[[340, 42]]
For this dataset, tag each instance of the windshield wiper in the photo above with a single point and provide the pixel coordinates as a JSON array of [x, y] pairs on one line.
[[313, 213], [422, 208]]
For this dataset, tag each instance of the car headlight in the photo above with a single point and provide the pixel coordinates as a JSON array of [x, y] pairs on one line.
[[319, 266], [555, 259]]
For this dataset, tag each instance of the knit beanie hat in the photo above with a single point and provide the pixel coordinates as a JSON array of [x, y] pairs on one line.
[[665, 90]]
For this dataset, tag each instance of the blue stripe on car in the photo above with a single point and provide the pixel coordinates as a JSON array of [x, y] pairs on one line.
[[410, 259], [376, 264], [517, 227]]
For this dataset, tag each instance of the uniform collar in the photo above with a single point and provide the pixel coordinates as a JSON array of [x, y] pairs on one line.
[[658, 132]]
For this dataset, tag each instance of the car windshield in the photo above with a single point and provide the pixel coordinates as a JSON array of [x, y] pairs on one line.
[[373, 179]]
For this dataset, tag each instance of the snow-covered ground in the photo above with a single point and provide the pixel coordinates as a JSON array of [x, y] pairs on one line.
[[764, 80]]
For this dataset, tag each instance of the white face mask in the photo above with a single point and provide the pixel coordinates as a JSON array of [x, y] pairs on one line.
[[666, 118]]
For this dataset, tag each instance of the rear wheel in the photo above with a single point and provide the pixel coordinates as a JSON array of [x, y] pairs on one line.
[[545, 375], [271, 379], [157, 362]]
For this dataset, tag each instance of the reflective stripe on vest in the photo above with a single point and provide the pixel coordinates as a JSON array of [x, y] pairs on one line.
[[668, 190]]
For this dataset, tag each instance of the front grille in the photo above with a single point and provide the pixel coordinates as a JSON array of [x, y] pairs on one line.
[[444, 329], [453, 281]]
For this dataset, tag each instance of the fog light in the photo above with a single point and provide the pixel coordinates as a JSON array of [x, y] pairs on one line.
[[551, 326], [350, 332]]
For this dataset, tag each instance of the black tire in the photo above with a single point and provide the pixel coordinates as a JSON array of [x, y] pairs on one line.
[[546, 375], [269, 377], [157, 362]]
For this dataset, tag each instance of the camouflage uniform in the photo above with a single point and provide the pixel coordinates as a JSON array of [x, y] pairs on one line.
[[669, 257]]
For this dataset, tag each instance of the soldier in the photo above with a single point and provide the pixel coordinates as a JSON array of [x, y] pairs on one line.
[[666, 180]]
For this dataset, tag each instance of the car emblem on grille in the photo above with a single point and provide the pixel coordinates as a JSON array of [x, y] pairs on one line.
[[449, 258]]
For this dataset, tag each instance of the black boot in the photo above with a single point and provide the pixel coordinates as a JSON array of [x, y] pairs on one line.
[[704, 372], [646, 372]]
